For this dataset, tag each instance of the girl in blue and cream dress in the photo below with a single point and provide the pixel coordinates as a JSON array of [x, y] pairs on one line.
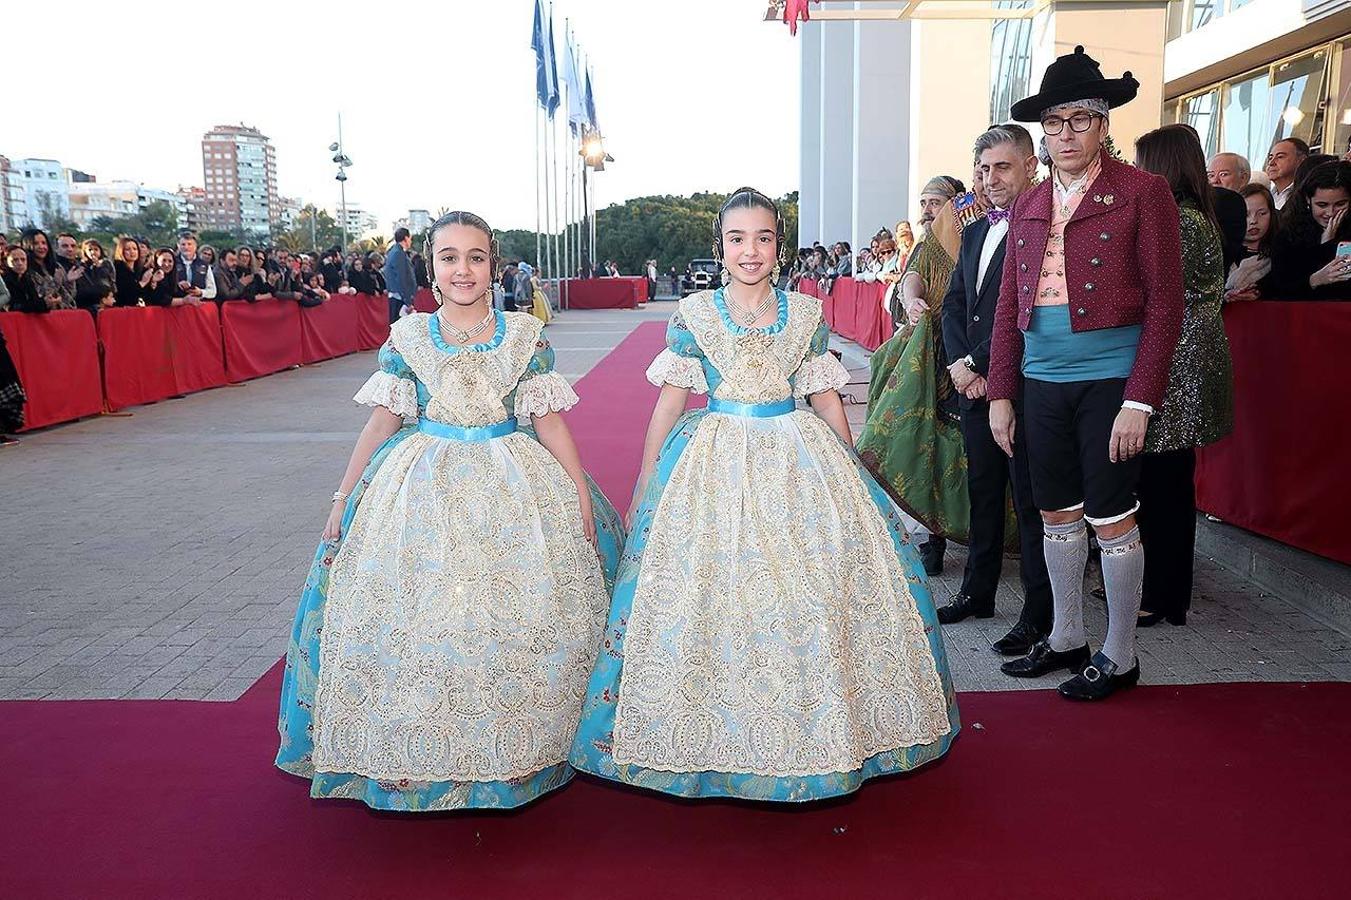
[[449, 623], [772, 635]]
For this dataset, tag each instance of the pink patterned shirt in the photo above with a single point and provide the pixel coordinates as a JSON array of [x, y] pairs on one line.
[[1051, 287]]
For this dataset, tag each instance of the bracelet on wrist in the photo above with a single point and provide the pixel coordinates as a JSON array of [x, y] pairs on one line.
[[340, 497]]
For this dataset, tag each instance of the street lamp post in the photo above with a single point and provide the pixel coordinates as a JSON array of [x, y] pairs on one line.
[[343, 162], [595, 157]]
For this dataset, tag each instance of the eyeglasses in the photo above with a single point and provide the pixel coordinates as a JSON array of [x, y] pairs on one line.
[[1078, 123]]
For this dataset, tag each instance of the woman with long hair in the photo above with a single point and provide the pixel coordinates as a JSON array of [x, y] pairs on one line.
[[96, 288], [1198, 406], [1304, 260], [1254, 260], [132, 274]]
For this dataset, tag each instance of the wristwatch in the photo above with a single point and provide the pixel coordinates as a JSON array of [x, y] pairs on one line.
[[969, 362]]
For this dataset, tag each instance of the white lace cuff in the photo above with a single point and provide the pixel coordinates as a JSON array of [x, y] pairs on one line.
[[398, 395], [680, 371], [540, 395], [820, 373]]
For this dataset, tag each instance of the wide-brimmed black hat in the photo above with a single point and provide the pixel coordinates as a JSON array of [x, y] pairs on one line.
[[1075, 76]]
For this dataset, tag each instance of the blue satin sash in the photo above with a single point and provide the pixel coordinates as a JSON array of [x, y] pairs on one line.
[[463, 433], [753, 410]]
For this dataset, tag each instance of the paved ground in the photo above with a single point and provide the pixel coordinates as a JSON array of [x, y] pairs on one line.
[[161, 555]]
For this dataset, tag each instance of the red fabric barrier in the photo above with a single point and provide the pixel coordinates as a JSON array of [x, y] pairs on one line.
[[195, 345], [1281, 472], [844, 297], [329, 330], [604, 293], [871, 325], [423, 301], [138, 363], [260, 338], [57, 357], [372, 321]]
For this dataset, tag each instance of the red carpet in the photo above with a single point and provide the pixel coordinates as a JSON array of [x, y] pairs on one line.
[[1208, 791]]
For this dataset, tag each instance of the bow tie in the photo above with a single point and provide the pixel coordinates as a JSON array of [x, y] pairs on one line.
[[995, 216]]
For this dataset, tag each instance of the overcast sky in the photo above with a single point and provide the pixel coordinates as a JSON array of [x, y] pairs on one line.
[[437, 99]]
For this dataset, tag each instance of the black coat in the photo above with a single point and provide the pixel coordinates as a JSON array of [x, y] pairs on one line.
[[968, 308], [1231, 211], [25, 294], [97, 282], [129, 290], [197, 274]]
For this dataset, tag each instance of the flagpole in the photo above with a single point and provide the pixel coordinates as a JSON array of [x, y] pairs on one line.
[[538, 215]]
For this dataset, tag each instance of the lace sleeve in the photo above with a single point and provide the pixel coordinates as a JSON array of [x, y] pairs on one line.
[[398, 395], [820, 373], [681, 371], [540, 395]]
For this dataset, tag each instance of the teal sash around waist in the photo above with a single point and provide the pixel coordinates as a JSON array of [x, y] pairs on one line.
[[754, 410], [462, 433]]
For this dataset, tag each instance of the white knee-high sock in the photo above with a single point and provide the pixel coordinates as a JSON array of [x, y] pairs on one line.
[[1123, 573], [1066, 556]]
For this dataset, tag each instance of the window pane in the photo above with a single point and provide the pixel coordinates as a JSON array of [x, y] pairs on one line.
[[1199, 113], [1206, 11], [1245, 119], [1010, 61], [1296, 92], [1340, 107]]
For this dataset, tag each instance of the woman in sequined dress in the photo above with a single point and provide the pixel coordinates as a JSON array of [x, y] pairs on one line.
[[449, 622], [771, 636]]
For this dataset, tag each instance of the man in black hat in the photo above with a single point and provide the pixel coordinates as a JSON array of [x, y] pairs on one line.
[[1089, 314]]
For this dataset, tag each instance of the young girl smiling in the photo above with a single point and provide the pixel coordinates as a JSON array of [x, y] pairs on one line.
[[771, 634], [451, 616]]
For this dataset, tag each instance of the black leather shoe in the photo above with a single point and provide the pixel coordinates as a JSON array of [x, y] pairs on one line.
[[1100, 680], [963, 607], [931, 553], [1018, 642], [1042, 659]]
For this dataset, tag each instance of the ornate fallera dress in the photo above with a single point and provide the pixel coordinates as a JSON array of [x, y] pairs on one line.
[[772, 636], [441, 648]]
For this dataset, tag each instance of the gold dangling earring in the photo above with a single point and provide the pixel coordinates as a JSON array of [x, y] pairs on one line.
[[726, 276], [436, 292], [774, 274]]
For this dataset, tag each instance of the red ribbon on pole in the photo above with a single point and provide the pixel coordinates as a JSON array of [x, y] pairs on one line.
[[795, 11]]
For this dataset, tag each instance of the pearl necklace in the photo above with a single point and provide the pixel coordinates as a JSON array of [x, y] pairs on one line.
[[745, 317], [464, 337]]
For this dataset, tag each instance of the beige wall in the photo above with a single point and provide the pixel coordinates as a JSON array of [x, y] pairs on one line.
[[950, 91], [1122, 37]]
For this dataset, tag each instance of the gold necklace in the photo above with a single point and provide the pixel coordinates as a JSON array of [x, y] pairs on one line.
[[745, 317], [464, 337]]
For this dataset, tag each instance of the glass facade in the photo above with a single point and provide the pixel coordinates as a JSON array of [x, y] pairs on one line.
[[1010, 61], [1304, 96]]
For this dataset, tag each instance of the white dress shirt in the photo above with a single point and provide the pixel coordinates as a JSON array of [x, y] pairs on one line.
[[993, 239]]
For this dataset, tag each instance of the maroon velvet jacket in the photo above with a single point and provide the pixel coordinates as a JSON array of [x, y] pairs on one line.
[[1123, 266]]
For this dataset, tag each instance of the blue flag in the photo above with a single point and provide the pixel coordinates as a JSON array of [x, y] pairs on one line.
[[590, 103], [555, 96], [539, 42]]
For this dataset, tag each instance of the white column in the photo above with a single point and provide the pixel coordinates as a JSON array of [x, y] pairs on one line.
[[881, 136], [809, 178], [837, 129]]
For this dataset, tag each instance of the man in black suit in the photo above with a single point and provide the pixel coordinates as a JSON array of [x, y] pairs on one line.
[[1007, 162]]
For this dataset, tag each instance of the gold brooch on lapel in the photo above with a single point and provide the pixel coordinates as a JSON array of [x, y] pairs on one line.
[[1109, 199]]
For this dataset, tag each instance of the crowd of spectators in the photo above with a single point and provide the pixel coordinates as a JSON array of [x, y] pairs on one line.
[[38, 274]]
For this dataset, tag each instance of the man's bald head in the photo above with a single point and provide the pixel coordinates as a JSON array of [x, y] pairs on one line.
[[1229, 170]]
